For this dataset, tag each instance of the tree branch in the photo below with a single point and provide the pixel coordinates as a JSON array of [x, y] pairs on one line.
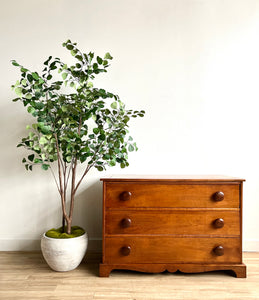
[[60, 181], [55, 180], [85, 172]]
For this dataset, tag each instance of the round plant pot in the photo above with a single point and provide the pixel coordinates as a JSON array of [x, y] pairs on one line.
[[64, 254]]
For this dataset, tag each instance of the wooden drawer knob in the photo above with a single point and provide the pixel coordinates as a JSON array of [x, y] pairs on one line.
[[219, 250], [218, 196], [218, 223], [125, 196], [125, 223], [125, 251]]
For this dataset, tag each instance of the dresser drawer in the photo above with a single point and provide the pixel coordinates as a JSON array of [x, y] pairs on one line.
[[177, 221], [171, 250], [138, 195]]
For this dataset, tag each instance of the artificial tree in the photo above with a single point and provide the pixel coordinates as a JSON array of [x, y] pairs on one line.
[[75, 122]]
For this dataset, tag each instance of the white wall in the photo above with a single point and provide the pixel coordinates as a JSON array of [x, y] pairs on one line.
[[191, 64]]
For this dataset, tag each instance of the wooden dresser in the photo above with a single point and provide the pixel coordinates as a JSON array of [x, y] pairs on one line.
[[155, 223]]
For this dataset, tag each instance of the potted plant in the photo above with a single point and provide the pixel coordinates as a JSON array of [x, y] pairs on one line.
[[75, 123]]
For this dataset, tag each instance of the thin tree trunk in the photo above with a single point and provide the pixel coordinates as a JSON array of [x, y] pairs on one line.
[[72, 199], [65, 194], [63, 223], [62, 195], [69, 225], [73, 187]]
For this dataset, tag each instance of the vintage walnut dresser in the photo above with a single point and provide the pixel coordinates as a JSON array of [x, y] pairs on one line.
[[191, 224]]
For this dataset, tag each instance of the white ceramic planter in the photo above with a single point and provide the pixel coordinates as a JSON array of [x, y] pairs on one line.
[[64, 254]]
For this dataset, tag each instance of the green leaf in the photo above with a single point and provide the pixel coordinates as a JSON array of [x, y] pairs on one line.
[[43, 140], [24, 160], [46, 129], [96, 130], [31, 135], [24, 82], [108, 56], [29, 77], [122, 165], [35, 75], [64, 75], [39, 105], [64, 108], [89, 84], [37, 161], [68, 158], [15, 63], [112, 163], [130, 148], [28, 96], [44, 167], [101, 137], [99, 60], [36, 148], [31, 157], [126, 119], [30, 109], [47, 61], [24, 70], [117, 144], [73, 52], [37, 94], [69, 47], [18, 91], [79, 57], [114, 105], [53, 66]]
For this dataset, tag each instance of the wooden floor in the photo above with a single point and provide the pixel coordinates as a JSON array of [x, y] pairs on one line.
[[25, 275]]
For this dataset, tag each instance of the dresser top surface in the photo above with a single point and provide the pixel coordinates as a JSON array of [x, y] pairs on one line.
[[176, 178]]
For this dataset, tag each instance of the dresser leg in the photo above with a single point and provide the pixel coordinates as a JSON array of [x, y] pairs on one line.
[[240, 271], [104, 270]]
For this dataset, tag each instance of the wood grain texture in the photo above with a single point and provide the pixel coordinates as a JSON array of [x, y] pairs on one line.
[[238, 269], [26, 276], [171, 195], [178, 221], [171, 178], [167, 249], [172, 224]]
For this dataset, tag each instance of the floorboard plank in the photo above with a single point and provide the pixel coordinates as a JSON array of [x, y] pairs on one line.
[[25, 275]]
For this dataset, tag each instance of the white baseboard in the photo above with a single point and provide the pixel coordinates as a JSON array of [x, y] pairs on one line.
[[95, 244]]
